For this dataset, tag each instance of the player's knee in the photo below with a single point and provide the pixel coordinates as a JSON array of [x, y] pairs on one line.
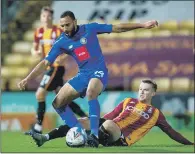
[[40, 95], [57, 103], [91, 94], [104, 136]]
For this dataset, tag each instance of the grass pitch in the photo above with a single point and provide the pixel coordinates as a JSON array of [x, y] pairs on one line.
[[153, 142]]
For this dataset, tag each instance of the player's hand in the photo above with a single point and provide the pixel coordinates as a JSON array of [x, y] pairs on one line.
[[22, 84], [150, 24]]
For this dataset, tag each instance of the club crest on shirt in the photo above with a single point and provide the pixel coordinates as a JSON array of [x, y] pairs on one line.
[[150, 110], [83, 40]]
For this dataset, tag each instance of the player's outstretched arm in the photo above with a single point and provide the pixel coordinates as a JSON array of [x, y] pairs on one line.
[[165, 127], [41, 67], [124, 27]]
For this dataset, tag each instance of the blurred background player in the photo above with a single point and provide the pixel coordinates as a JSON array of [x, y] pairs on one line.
[[44, 37], [130, 121]]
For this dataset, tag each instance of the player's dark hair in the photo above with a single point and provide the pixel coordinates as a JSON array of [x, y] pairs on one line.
[[152, 82], [68, 13], [47, 8]]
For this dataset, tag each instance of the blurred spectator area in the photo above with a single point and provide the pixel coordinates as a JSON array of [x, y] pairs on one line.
[[17, 42]]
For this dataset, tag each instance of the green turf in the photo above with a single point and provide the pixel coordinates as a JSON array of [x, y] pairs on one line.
[[152, 142]]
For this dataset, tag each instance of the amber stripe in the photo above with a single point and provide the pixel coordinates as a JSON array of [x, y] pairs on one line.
[[140, 132], [137, 123], [128, 119]]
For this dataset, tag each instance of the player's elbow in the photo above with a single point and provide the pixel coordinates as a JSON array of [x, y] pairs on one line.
[[46, 63]]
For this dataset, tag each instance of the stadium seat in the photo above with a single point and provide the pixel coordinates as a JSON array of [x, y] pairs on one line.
[[20, 71], [184, 32], [13, 83], [180, 85], [192, 86], [143, 34], [22, 47], [29, 36], [130, 34], [12, 72], [171, 25], [162, 33], [135, 83], [187, 24], [36, 24], [3, 82], [31, 60], [163, 84], [14, 59], [7, 72]]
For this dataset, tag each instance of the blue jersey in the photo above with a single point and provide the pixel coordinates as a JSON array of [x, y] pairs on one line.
[[84, 46]]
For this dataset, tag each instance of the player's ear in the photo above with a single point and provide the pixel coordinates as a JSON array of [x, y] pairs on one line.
[[75, 21], [153, 93]]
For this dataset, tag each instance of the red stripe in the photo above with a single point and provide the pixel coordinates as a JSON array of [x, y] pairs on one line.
[[137, 124], [124, 114]]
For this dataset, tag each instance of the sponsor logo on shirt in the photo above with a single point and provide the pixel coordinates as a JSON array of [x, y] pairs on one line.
[[47, 41], [83, 40], [138, 111]]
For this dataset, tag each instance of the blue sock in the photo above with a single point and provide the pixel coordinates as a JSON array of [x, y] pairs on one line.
[[68, 117], [94, 115]]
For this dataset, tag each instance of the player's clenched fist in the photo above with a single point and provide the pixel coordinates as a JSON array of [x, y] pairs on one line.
[[22, 84], [150, 24]]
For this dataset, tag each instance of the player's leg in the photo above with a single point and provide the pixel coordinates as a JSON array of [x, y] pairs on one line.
[[51, 80], [66, 94], [95, 87], [110, 134], [59, 83], [113, 129], [77, 109], [40, 139], [74, 107], [40, 96]]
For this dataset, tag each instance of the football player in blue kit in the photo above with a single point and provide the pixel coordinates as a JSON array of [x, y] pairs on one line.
[[81, 42]]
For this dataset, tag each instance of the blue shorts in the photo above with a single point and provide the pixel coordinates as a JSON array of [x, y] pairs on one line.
[[81, 80]]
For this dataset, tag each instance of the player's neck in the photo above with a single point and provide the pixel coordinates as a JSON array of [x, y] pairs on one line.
[[47, 25], [146, 102]]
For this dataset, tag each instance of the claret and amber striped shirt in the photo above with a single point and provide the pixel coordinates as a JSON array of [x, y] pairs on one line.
[[135, 119], [46, 38]]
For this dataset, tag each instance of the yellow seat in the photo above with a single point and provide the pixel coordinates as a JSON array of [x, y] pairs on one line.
[[3, 83], [135, 83], [192, 86], [130, 34], [171, 25], [36, 24], [29, 36], [163, 84], [184, 32], [162, 33], [187, 24], [22, 47], [20, 71], [7, 72], [143, 34], [13, 83], [180, 85], [14, 59]]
